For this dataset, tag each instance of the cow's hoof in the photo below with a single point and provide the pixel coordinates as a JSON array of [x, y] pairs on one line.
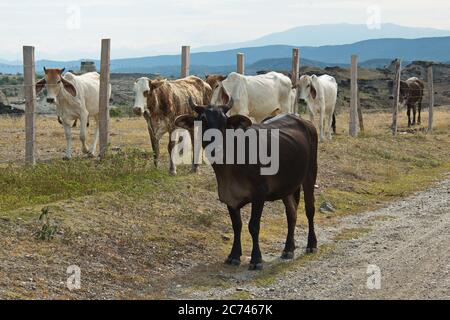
[[255, 267], [194, 170], [90, 155], [66, 158], [311, 250], [173, 173], [233, 262], [287, 255]]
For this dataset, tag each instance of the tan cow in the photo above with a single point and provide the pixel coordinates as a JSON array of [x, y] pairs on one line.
[[162, 101], [213, 80]]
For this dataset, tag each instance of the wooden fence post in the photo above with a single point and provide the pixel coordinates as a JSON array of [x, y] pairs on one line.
[[185, 61], [360, 115], [104, 96], [396, 94], [29, 74], [295, 73], [431, 90], [240, 63], [353, 121]]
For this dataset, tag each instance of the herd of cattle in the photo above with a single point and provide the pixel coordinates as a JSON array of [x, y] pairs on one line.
[[263, 102]]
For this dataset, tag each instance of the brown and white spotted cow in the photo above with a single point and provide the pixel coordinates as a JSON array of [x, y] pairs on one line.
[[162, 101]]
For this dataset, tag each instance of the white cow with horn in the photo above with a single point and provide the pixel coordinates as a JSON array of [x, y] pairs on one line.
[[257, 97], [76, 98], [320, 94]]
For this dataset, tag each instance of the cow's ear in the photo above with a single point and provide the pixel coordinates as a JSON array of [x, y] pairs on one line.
[[313, 91], [239, 122], [69, 87], [186, 122], [40, 85], [155, 84], [62, 70]]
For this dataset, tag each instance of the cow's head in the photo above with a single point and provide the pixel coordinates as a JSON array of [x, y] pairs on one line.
[[213, 80], [54, 83], [213, 117], [220, 96], [307, 87], [404, 91], [144, 95]]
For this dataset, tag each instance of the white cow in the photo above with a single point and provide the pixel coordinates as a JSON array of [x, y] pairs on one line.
[[75, 97], [257, 97], [320, 94]]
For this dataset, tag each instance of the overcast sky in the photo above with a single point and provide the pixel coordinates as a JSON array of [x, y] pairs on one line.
[[72, 29]]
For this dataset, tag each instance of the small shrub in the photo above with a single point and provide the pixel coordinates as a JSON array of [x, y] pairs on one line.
[[48, 230]]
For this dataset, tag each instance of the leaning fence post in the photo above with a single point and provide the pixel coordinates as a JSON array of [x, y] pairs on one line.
[[353, 121], [29, 74], [396, 93], [185, 61], [295, 73], [431, 91], [240, 63], [104, 96]]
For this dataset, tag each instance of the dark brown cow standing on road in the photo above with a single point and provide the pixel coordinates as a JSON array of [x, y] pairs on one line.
[[242, 184], [411, 95], [162, 101]]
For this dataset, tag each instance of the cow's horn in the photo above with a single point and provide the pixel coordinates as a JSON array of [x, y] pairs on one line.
[[229, 106], [192, 104]]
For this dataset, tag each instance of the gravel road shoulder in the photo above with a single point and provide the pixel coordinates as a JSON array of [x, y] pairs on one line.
[[408, 241]]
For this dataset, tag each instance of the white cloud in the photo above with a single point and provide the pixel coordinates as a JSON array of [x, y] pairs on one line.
[[139, 27]]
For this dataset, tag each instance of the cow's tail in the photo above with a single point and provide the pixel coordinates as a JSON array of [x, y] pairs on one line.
[[333, 125]]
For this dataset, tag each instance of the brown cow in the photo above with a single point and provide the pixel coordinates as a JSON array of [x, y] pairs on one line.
[[245, 183], [411, 94], [213, 80], [161, 101]]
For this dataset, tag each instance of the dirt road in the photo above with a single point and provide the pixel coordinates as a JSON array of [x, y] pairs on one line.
[[408, 242]]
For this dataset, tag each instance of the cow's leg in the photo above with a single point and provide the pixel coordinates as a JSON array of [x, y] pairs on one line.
[[195, 153], [409, 116], [253, 227], [172, 166], [234, 259], [330, 126], [321, 124], [68, 134], [419, 109], [96, 136], [310, 209], [414, 114], [291, 203], [83, 132], [154, 142]]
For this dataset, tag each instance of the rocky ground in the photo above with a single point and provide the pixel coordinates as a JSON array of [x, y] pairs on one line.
[[408, 240]]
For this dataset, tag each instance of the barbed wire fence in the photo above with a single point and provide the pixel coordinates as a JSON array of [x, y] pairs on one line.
[[30, 130]]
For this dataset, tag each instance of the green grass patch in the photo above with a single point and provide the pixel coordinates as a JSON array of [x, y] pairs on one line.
[[351, 234], [49, 182]]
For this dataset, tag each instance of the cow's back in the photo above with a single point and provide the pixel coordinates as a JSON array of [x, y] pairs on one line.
[[88, 89], [298, 140], [181, 90], [260, 95]]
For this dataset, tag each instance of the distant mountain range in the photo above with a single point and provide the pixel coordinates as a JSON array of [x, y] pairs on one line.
[[373, 52], [332, 34]]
